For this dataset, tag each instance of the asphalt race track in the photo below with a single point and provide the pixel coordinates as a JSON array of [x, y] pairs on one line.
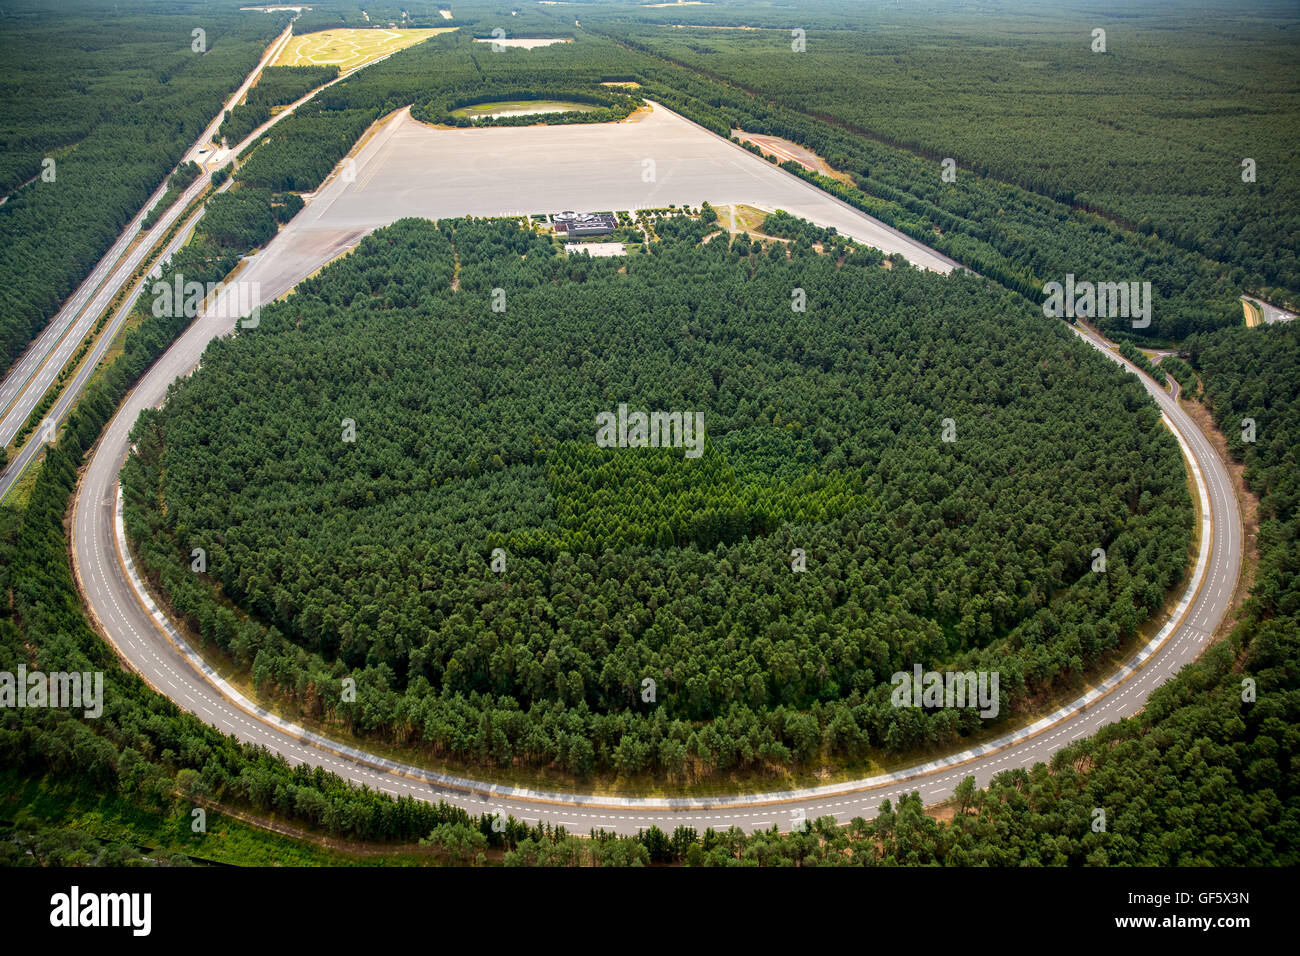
[[405, 169]]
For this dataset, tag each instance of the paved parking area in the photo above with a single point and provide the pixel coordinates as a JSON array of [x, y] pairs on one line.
[[406, 168]]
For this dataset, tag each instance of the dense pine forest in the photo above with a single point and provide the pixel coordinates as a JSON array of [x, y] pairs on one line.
[[1149, 133], [143, 747], [277, 86], [1199, 777], [1202, 777], [1006, 231], [475, 431], [370, 552]]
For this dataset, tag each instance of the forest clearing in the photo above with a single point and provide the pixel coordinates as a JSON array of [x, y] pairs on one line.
[[350, 49]]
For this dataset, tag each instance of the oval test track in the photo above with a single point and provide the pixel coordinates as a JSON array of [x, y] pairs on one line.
[[124, 612]]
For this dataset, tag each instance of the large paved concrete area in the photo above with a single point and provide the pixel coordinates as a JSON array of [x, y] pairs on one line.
[[408, 168]]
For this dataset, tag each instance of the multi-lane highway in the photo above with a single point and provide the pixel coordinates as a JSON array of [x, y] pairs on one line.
[[68, 397], [34, 372], [126, 614]]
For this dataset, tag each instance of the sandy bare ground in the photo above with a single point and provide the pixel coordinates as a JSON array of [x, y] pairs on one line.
[[786, 151], [520, 43]]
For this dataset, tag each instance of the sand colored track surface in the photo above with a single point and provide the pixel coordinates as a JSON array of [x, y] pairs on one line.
[[350, 49]]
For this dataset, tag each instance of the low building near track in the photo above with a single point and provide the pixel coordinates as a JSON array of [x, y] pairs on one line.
[[576, 225]]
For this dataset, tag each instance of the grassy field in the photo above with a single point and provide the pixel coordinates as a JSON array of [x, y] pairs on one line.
[[350, 49], [520, 108], [747, 218]]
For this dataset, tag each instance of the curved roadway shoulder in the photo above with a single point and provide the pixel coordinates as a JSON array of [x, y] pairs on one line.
[[144, 638]]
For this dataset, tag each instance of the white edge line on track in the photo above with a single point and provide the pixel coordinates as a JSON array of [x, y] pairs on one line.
[[1072, 709]]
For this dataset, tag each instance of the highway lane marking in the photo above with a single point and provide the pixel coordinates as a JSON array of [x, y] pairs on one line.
[[92, 289]]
